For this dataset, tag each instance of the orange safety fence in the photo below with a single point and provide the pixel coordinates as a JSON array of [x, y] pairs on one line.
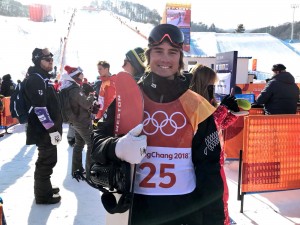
[[271, 153], [233, 135], [5, 117]]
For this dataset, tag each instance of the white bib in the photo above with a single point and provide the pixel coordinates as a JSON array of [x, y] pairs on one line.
[[165, 171]]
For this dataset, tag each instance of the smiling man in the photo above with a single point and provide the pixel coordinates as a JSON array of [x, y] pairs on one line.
[[179, 182]]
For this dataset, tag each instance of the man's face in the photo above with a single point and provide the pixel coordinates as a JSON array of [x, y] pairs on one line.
[[164, 60], [128, 67], [47, 64], [103, 72]]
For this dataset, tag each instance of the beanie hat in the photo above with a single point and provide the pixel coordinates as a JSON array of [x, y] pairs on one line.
[[136, 57], [278, 67], [38, 54], [73, 71]]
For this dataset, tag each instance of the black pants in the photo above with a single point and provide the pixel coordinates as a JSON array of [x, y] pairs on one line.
[[47, 159]]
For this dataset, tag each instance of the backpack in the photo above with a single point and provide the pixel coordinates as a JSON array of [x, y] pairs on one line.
[[66, 110], [20, 105]]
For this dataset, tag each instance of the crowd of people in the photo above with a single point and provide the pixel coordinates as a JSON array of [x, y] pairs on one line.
[[191, 190]]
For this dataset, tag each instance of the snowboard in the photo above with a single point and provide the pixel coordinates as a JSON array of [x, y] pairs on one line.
[[129, 113]]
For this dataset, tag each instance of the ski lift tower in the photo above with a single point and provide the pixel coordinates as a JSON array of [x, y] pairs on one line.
[[294, 7]]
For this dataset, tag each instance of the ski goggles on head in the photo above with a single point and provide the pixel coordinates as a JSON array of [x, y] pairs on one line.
[[167, 32]]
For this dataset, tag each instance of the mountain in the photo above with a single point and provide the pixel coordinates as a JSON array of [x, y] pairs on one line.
[[282, 32]]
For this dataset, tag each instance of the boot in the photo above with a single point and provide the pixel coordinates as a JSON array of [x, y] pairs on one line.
[[55, 189], [55, 198]]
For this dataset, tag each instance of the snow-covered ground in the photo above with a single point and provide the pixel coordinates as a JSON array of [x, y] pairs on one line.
[[93, 37]]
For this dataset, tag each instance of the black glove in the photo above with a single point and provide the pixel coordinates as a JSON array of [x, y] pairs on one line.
[[230, 103], [95, 109]]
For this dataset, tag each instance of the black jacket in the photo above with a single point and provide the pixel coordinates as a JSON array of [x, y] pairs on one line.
[[280, 95], [7, 86], [205, 204], [41, 94]]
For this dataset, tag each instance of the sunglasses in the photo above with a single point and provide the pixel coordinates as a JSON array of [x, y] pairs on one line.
[[125, 62], [48, 59]]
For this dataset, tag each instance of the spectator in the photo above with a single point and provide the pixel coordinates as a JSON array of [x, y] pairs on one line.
[[107, 88], [193, 191], [81, 117], [281, 93], [7, 86], [44, 125], [237, 90], [96, 85], [202, 82], [134, 62]]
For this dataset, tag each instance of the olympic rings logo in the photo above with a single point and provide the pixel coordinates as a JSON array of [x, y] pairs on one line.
[[160, 125]]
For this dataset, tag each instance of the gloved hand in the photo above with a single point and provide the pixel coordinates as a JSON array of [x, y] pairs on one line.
[[95, 108], [132, 147], [55, 138], [230, 103], [95, 123]]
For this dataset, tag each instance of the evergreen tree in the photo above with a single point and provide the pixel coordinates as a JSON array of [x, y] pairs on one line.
[[240, 29]]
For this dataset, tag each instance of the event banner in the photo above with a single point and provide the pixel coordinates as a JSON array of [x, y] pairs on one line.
[[179, 17], [226, 65], [222, 87], [179, 14]]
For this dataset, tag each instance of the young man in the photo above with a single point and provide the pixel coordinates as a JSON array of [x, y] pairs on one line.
[[107, 88], [281, 93], [178, 179], [103, 69], [44, 124], [134, 62]]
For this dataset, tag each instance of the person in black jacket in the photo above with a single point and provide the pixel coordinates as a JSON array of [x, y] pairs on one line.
[[7, 86], [176, 150], [281, 93], [44, 124]]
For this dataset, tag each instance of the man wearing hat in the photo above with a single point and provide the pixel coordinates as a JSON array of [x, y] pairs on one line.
[[44, 124], [80, 117], [134, 62], [281, 93]]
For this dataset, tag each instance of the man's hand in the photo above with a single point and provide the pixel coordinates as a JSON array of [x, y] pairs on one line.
[[132, 147], [55, 138]]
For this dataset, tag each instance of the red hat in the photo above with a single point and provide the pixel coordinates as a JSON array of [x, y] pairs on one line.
[[73, 71]]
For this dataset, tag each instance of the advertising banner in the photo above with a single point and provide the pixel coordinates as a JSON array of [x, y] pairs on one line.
[[222, 87], [226, 64], [179, 14], [179, 17]]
